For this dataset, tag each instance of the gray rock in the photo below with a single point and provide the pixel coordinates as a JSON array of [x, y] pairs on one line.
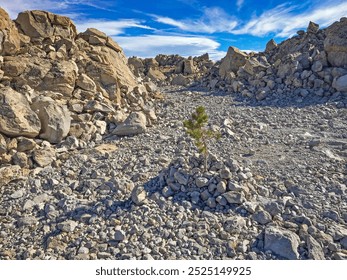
[[181, 178], [17, 194], [221, 187], [27, 221], [281, 242], [205, 195], [315, 251], [343, 242], [119, 235], [201, 182], [262, 217], [340, 84], [138, 195], [211, 202], [317, 66], [225, 173], [234, 224], [67, 226], [234, 197], [167, 191], [195, 197]]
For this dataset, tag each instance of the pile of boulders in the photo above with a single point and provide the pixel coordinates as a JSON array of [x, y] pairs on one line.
[[314, 62], [60, 87], [171, 69]]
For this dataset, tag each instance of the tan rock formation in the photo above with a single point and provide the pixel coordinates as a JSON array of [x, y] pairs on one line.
[[55, 119], [9, 37], [16, 116], [41, 24]]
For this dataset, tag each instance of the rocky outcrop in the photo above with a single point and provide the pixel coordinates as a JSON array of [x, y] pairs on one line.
[[56, 83], [9, 36], [41, 25]]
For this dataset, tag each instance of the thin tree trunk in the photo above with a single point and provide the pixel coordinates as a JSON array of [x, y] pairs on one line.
[[205, 157]]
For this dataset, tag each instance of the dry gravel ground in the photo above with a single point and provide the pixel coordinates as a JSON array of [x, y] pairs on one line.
[[290, 153]]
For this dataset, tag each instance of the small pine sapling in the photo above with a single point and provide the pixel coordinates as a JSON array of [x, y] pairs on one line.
[[196, 128]]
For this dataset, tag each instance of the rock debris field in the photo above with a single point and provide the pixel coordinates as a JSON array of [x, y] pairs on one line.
[[95, 162]]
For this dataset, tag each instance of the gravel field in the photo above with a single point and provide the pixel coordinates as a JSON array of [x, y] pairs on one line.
[[275, 188]]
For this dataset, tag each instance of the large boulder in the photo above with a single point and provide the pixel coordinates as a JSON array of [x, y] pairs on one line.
[[188, 67], [9, 37], [281, 242], [61, 78], [134, 124], [155, 75], [42, 24], [312, 28], [86, 83], [232, 61], [335, 43], [180, 80], [16, 116], [55, 119]]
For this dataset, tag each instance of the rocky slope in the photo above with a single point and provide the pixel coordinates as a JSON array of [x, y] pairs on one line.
[[60, 87], [311, 63], [84, 173]]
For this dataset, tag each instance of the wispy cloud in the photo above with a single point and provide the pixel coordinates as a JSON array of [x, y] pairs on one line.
[[239, 4], [284, 21], [14, 7], [213, 20], [112, 27], [65, 7], [151, 45]]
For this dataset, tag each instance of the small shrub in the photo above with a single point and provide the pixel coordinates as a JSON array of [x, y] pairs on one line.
[[196, 128]]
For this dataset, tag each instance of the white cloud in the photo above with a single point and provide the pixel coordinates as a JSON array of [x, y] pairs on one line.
[[14, 7], [239, 4], [152, 45], [284, 22], [111, 27], [213, 20]]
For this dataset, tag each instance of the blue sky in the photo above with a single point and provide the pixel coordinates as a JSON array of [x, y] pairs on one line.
[[146, 28]]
